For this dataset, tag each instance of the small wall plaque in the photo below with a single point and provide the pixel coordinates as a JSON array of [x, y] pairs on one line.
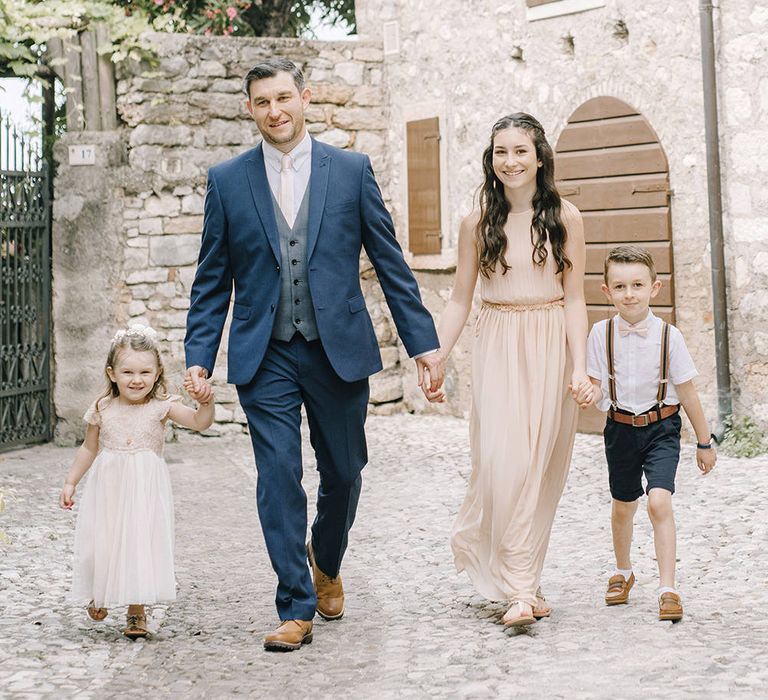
[[82, 154]]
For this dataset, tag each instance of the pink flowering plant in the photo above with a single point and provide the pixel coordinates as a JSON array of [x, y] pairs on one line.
[[244, 17], [223, 17]]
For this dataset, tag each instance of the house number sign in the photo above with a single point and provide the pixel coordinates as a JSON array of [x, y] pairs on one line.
[[82, 154]]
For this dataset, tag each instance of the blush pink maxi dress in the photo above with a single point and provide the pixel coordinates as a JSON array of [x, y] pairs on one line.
[[522, 422]]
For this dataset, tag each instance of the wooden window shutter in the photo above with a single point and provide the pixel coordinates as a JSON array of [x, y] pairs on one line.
[[423, 144]]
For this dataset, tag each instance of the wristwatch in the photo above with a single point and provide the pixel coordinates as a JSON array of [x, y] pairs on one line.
[[704, 445]]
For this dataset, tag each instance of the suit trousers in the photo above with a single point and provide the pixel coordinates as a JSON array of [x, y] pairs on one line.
[[290, 374]]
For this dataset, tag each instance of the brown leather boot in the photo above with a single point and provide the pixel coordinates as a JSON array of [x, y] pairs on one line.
[[330, 592], [290, 635]]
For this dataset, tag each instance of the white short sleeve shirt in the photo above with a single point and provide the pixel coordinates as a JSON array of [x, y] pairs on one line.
[[637, 364]]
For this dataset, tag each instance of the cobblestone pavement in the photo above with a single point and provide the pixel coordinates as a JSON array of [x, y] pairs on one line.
[[412, 627]]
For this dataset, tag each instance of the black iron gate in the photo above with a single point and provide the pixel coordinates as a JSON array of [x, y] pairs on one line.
[[25, 292]]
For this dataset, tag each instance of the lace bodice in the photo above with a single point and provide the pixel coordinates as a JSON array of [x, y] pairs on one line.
[[130, 427]]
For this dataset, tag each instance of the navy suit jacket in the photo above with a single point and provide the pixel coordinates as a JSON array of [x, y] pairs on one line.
[[240, 247]]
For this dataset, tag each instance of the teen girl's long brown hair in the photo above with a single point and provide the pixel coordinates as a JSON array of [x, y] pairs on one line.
[[547, 222]]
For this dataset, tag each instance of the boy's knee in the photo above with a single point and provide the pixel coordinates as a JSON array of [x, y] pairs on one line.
[[624, 509], [659, 504]]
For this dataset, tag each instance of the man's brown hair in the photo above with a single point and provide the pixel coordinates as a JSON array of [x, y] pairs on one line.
[[627, 254]]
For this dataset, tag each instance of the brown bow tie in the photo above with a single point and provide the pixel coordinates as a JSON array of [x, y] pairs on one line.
[[642, 331]]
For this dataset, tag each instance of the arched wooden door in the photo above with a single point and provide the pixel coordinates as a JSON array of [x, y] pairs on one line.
[[610, 164]]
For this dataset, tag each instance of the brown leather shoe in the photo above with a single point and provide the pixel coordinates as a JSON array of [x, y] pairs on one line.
[[670, 607], [136, 626], [330, 592], [290, 635], [618, 589]]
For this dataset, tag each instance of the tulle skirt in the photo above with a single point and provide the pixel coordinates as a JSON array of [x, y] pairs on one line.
[[124, 536]]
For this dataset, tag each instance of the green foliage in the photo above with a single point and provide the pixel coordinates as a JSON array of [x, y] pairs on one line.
[[223, 17], [743, 438], [27, 25], [246, 18], [281, 18]]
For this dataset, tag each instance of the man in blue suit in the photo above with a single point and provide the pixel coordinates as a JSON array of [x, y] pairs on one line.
[[285, 224]]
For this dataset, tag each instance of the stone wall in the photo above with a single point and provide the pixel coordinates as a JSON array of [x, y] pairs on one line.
[[437, 63], [743, 93], [127, 229]]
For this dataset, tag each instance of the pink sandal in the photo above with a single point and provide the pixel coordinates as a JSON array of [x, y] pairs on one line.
[[541, 609], [522, 619]]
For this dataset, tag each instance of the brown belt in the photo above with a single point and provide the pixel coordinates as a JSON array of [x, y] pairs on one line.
[[652, 416]]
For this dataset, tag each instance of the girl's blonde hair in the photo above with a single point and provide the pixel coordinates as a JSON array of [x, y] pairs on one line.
[[140, 339]]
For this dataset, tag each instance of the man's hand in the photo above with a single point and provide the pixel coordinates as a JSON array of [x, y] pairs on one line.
[[194, 380], [431, 369]]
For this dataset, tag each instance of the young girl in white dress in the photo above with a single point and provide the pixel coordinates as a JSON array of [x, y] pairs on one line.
[[124, 535]]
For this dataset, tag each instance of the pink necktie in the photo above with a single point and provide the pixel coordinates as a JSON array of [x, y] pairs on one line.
[[286, 188], [642, 331]]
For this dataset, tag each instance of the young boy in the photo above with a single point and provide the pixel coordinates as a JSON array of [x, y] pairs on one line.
[[641, 372]]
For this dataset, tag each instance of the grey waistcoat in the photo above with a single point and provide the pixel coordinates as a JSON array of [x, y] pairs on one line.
[[294, 309]]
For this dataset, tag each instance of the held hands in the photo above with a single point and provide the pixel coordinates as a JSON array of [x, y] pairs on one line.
[[196, 385], [583, 391], [431, 370], [67, 496]]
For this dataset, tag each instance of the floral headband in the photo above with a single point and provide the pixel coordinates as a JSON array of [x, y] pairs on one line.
[[136, 330]]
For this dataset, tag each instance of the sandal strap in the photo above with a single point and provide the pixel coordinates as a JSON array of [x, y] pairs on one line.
[[669, 597], [617, 583]]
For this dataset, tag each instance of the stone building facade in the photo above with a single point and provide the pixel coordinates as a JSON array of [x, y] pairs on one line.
[[127, 228], [469, 63]]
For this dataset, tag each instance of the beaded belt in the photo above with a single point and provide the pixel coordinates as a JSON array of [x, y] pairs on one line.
[[523, 307]]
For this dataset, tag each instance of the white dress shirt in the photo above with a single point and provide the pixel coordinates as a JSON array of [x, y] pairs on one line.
[[302, 168], [637, 364]]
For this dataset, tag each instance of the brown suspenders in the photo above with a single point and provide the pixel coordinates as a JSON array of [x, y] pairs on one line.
[[663, 364], [609, 356]]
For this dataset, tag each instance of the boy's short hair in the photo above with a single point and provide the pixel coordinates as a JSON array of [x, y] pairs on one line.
[[627, 254]]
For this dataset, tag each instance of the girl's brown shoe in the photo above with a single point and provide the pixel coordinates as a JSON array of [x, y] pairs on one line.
[[136, 626], [95, 613]]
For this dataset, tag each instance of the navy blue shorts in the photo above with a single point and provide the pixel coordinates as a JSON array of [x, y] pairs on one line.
[[653, 450]]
